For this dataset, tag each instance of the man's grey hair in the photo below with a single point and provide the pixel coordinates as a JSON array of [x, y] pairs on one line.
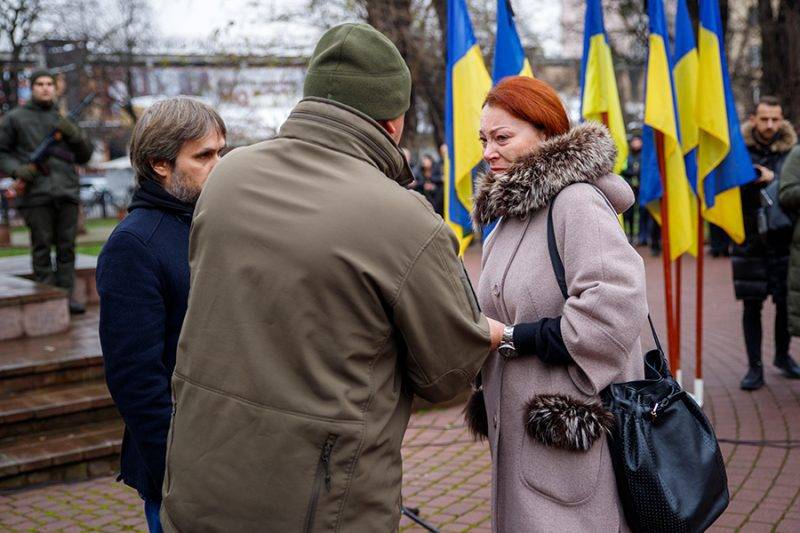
[[164, 128]]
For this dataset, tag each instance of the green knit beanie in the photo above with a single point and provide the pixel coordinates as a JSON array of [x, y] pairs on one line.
[[36, 74], [358, 66]]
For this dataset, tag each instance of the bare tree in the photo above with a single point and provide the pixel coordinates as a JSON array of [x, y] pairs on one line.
[[114, 33], [130, 40], [418, 29], [780, 52], [18, 19]]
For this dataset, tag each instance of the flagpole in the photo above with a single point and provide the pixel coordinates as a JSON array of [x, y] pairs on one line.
[[698, 362], [665, 248], [678, 292]]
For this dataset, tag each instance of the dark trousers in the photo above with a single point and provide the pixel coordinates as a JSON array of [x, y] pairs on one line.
[[720, 242], [751, 322], [629, 222], [645, 221], [53, 225]]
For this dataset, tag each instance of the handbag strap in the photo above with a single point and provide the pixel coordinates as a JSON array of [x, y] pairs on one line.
[[560, 273], [555, 258]]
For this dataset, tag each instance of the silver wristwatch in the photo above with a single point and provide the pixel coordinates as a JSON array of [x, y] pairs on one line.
[[506, 348]]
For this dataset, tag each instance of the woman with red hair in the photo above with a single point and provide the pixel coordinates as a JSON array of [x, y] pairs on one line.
[[546, 426]]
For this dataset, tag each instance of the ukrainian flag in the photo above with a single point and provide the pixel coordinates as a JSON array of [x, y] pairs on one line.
[[509, 59], [722, 159], [509, 56], [685, 74], [467, 85], [660, 116], [599, 95]]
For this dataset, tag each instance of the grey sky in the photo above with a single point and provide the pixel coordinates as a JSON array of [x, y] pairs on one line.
[[197, 19]]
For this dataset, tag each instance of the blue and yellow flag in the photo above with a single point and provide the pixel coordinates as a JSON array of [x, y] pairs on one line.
[[509, 56], [599, 95], [662, 127], [685, 74], [467, 85], [509, 59], [722, 159]]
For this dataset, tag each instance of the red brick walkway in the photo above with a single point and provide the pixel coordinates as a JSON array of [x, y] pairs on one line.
[[448, 476]]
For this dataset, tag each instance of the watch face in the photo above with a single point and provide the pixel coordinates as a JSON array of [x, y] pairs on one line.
[[507, 351]]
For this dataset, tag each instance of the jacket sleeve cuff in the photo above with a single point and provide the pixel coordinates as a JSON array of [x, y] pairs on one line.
[[543, 339]]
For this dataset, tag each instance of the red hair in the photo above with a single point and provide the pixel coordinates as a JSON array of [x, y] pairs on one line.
[[531, 100]]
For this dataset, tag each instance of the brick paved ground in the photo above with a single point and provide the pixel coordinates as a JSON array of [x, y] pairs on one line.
[[448, 476]]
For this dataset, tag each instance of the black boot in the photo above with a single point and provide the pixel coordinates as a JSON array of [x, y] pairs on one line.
[[754, 379], [76, 308], [787, 366]]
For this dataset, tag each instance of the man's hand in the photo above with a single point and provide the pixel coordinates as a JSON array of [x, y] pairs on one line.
[[766, 174], [68, 130], [428, 186], [496, 329], [25, 172]]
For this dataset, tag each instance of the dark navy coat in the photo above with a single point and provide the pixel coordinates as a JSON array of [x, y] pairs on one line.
[[143, 283]]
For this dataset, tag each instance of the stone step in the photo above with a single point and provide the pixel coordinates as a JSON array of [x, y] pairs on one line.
[[59, 406], [85, 290], [30, 309], [34, 362], [61, 455]]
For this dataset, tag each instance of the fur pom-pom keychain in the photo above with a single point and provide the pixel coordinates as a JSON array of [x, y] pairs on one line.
[[475, 415], [559, 421]]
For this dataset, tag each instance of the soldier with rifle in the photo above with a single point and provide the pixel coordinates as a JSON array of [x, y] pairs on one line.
[[40, 148]]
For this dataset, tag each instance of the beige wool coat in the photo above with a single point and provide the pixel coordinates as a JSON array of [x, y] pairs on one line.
[[535, 487]]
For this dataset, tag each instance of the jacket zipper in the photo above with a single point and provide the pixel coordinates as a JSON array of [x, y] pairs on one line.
[[321, 478]]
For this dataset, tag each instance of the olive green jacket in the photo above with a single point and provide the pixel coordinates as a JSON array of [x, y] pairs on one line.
[[21, 131], [323, 295], [790, 202]]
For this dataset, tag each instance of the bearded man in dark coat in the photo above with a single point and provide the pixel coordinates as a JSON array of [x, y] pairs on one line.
[[761, 263]]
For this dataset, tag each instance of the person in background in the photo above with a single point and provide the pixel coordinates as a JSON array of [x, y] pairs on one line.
[[790, 203], [143, 281], [429, 173], [648, 232], [760, 266], [631, 175], [48, 193], [719, 241], [416, 182]]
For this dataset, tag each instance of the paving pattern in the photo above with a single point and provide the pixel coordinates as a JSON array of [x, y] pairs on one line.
[[448, 476]]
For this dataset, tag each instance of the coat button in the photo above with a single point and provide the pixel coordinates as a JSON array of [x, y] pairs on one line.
[[494, 421], [496, 289]]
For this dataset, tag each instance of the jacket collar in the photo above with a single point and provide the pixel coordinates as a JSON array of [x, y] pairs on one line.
[[586, 153], [152, 195], [783, 141], [36, 106], [347, 130]]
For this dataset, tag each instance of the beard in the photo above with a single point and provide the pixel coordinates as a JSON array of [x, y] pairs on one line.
[[183, 188]]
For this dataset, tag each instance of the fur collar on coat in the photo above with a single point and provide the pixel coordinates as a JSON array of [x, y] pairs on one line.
[[784, 139], [585, 153]]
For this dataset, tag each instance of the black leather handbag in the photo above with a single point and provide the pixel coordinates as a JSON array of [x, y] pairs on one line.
[[669, 468]]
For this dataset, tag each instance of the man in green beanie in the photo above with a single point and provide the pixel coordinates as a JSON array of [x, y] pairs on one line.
[[49, 191], [323, 296]]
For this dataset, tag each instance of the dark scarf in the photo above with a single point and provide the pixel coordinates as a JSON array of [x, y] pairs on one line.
[[152, 195], [40, 106]]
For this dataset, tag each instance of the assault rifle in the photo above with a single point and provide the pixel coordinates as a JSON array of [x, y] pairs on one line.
[[42, 151]]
